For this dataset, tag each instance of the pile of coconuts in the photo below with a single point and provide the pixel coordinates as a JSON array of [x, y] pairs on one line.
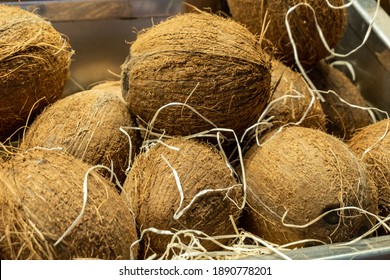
[[210, 135]]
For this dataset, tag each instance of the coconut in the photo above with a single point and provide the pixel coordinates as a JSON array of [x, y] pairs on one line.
[[210, 63], [208, 195], [257, 14], [34, 66], [342, 119], [41, 195], [298, 174], [304, 105], [372, 145], [87, 125]]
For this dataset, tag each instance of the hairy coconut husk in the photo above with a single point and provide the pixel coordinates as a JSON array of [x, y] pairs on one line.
[[342, 119], [116, 87], [87, 125], [291, 110], [152, 191], [8, 149], [374, 151], [256, 14], [302, 173], [34, 66], [41, 195], [208, 62]]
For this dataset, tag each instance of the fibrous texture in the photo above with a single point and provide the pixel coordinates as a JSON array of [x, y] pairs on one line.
[[182, 185], [257, 14], [34, 66], [372, 145], [212, 64], [298, 174], [87, 125], [294, 100], [343, 118]]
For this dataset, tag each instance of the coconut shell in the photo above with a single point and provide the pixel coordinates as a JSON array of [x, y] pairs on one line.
[[256, 14], [377, 158], [41, 195], [302, 173], [152, 192], [342, 119], [286, 81], [86, 125], [210, 63], [34, 66]]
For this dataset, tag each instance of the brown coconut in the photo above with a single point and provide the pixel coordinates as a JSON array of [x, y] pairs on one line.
[[152, 192], [287, 82], [208, 62], [372, 145], [41, 195], [342, 119], [256, 14], [34, 66], [87, 125], [301, 173]]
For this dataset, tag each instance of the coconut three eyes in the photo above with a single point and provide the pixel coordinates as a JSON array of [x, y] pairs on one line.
[[298, 174]]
